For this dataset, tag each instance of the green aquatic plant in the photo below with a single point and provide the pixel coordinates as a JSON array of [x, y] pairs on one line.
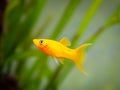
[[16, 48]]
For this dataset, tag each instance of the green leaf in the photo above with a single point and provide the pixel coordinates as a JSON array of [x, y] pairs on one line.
[[15, 10], [70, 9], [18, 56], [39, 64], [112, 20], [32, 18], [115, 18], [86, 20]]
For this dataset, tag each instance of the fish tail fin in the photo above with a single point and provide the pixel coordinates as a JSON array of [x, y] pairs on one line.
[[80, 56]]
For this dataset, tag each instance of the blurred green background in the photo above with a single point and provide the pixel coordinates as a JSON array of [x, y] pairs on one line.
[[81, 21]]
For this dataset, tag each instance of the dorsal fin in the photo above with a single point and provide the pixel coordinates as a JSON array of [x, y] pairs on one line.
[[65, 41]]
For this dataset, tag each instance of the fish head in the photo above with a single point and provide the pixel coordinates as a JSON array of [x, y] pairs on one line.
[[40, 43]]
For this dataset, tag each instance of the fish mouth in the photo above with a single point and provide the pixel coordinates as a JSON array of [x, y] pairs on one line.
[[35, 41]]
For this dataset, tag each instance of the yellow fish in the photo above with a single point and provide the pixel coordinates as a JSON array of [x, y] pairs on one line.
[[59, 50]]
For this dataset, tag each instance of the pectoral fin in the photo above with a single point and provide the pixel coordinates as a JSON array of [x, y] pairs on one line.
[[58, 60], [65, 41], [54, 58]]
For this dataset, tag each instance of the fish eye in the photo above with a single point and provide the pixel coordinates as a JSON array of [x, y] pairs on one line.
[[41, 42]]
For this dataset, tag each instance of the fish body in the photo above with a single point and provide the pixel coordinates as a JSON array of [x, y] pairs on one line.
[[59, 49]]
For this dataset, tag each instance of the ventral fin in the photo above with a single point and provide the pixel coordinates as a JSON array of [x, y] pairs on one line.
[[65, 41]]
